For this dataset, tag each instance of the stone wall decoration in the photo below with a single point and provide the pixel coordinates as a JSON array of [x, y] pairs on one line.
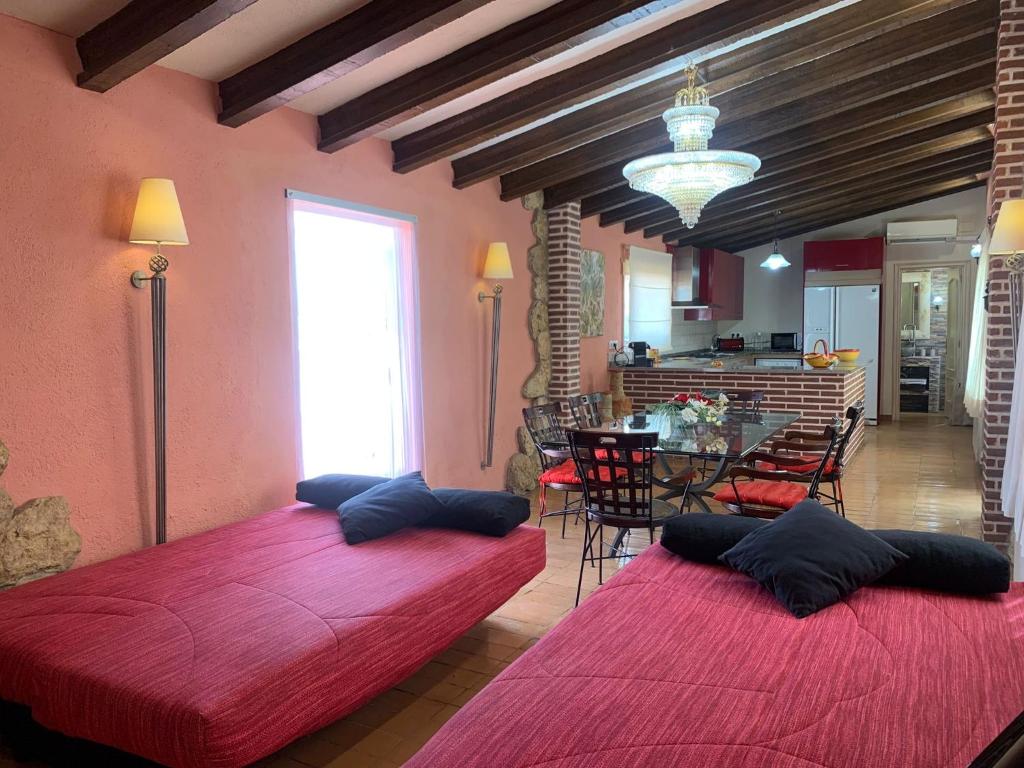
[[591, 293], [524, 467], [36, 538]]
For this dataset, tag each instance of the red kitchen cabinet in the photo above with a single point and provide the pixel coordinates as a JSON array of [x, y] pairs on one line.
[[844, 255], [721, 286]]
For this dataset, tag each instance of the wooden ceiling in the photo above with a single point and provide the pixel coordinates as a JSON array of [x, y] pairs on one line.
[[853, 106]]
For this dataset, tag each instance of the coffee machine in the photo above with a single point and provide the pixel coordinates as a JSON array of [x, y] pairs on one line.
[[640, 358]]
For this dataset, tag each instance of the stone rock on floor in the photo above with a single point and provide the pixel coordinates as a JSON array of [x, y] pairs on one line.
[[36, 540]]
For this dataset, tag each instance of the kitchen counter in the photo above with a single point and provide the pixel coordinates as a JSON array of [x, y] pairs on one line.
[[743, 365]]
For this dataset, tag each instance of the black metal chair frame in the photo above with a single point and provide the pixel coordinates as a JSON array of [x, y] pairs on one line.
[[803, 441], [543, 423], [617, 472], [586, 410], [750, 471]]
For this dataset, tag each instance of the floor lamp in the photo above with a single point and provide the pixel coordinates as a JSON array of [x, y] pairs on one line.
[[497, 266], [158, 222]]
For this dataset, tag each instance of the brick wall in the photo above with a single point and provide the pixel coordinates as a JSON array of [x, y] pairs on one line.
[[1005, 183], [564, 299], [819, 397]]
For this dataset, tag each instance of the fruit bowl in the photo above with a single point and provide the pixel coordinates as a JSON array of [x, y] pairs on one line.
[[820, 361], [846, 355]]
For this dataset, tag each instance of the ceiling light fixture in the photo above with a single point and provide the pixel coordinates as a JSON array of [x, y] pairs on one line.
[[692, 175], [776, 260]]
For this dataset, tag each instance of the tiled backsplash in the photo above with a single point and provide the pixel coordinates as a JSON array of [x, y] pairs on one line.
[[691, 334]]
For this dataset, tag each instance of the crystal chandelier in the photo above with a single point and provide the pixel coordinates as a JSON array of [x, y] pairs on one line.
[[692, 175]]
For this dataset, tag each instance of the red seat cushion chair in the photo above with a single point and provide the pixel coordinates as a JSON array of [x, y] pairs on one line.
[[810, 464], [565, 474], [221, 648], [677, 664], [768, 493]]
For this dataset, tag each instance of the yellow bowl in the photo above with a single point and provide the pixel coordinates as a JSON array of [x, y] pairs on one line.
[[820, 361], [847, 355]]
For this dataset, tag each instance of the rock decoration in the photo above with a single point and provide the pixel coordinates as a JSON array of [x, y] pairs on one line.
[[524, 467], [36, 538]]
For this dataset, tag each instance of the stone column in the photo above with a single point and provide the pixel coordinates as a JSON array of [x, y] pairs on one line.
[[564, 299], [1006, 182]]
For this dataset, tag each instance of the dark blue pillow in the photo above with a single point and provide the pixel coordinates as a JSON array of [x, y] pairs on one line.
[[810, 558], [329, 491], [493, 513], [703, 537], [947, 563], [388, 507]]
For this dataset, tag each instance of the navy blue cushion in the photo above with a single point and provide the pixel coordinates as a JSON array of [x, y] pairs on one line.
[[947, 563], [329, 491], [810, 558], [388, 507], [704, 537], [493, 513]]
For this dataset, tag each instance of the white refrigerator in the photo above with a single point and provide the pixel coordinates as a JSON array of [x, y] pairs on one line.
[[848, 316]]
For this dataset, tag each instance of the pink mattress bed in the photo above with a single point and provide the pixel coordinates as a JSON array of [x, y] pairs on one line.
[[219, 649], [674, 664]]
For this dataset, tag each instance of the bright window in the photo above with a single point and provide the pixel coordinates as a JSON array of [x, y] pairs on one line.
[[357, 340]]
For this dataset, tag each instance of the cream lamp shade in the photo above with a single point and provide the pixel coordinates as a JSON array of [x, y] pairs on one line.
[[498, 264], [1008, 236], [158, 218]]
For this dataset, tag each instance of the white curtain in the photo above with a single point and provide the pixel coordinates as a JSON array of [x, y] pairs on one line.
[[974, 390]]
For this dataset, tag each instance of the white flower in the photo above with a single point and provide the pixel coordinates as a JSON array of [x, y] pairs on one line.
[[688, 416]]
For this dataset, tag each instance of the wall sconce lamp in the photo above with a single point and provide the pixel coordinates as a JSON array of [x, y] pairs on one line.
[[497, 266], [158, 222], [1008, 240]]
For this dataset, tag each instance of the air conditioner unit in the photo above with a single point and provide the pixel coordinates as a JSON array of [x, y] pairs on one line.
[[937, 231]]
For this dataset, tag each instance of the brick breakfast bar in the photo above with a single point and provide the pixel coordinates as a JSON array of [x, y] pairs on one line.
[[820, 394]]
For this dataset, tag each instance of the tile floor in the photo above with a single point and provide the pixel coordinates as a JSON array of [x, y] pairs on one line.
[[917, 473]]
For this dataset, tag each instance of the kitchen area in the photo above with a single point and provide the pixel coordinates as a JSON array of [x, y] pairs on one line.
[[684, 332]]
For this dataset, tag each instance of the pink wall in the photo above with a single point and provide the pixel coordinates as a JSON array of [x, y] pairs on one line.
[[74, 336]]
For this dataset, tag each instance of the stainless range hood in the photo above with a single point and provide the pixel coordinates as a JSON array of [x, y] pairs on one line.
[[686, 278]]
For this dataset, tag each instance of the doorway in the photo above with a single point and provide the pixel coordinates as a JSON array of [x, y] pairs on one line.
[[932, 323]]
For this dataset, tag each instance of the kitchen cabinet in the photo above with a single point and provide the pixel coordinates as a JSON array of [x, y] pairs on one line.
[[720, 286], [844, 255]]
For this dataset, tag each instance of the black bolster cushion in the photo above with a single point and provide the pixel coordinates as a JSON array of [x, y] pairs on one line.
[[704, 537], [387, 507], [330, 491], [947, 563], [493, 513]]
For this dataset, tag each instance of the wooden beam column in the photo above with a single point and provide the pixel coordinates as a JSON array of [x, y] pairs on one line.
[[1005, 183], [564, 299]]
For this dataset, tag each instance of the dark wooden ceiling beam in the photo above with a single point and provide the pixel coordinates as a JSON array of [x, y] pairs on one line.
[[142, 33], [610, 200], [552, 31], [697, 36], [805, 129], [815, 197], [822, 36], [793, 170], [321, 57], [863, 209], [854, 76]]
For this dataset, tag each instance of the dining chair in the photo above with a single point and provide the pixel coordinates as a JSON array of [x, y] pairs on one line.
[[802, 451], [767, 493], [617, 472], [558, 471], [744, 400], [586, 410]]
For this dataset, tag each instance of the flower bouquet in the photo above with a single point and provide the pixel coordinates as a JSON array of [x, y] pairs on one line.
[[693, 409]]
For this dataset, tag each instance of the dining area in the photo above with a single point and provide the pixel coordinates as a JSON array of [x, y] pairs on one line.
[[707, 451]]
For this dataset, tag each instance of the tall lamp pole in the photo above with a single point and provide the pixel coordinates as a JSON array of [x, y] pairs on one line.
[[497, 266], [158, 222]]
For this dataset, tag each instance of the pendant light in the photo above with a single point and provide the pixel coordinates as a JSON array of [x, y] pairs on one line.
[[692, 175], [776, 260]]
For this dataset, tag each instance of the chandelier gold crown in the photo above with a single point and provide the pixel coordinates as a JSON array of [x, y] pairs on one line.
[[689, 177]]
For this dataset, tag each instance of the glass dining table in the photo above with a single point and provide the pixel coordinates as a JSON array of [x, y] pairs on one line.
[[716, 446]]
